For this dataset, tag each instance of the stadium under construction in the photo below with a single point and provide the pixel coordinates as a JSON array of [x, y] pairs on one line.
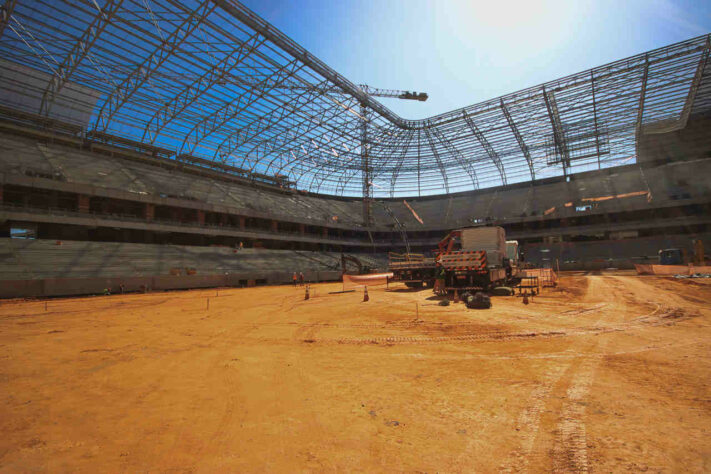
[[150, 145]]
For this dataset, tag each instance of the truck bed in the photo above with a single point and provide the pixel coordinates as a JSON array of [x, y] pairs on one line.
[[409, 261], [464, 260]]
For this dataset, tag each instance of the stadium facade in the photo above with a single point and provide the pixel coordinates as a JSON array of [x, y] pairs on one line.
[[187, 144]]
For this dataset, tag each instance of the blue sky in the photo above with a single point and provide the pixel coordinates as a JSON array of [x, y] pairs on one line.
[[463, 51]]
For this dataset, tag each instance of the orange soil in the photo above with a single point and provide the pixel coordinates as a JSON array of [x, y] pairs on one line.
[[605, 373]]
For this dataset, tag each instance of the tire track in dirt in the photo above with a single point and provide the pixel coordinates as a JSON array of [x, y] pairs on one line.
[[569, 446], [570, 451], [528, 422], [219, 437], [210, 446], [61, 308], [660, 316], [306, 333]]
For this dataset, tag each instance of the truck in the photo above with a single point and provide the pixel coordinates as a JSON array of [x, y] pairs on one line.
[[414, 269], [476, 258]]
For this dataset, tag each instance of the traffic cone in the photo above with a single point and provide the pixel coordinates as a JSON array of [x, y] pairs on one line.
[[456, 296], [306, 296], [365, 294]]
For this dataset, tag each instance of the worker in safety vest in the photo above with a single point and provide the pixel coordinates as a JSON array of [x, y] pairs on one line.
[[301, 278], [294, 278]]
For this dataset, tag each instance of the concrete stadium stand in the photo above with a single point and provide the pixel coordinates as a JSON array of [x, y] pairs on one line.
[[56, 268], [50, 287]]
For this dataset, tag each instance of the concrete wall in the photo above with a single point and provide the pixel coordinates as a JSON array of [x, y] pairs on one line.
[[601, 254]]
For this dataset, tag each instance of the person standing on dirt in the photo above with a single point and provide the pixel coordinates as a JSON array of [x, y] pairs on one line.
[[301, 278], [294, 278], [439, 284]]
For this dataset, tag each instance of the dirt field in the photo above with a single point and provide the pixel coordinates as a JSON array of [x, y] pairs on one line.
[[605, 373]]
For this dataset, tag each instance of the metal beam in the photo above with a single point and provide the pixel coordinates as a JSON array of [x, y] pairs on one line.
[[466, 164], [365, 167], [6, 10], [186, 97], [79, 52], [439, 162], [558, 133], [295, 146], [274, 118], [248, 17], [487, 146], [399, 161], [694, 87], [138, 77], [640, 104], [642, 95], [597, 132], [519, 139], [419, 168], [296, 135], [219, 118]]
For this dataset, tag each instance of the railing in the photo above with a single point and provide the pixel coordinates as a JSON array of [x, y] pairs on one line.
[[406, 257]]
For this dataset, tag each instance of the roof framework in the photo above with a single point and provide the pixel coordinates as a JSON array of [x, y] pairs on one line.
[[211, 79]]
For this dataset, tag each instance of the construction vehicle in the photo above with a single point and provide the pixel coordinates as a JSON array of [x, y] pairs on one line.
[[512, 254], [476, 258], [671, 257], [414, 269]]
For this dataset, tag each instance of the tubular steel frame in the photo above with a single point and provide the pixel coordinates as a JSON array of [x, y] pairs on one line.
[[211, 80]]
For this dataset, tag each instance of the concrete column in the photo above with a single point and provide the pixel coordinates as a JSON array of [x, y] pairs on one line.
[[275, 226], [150, 212], [83, 203], [201, 217], [242, 222]]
